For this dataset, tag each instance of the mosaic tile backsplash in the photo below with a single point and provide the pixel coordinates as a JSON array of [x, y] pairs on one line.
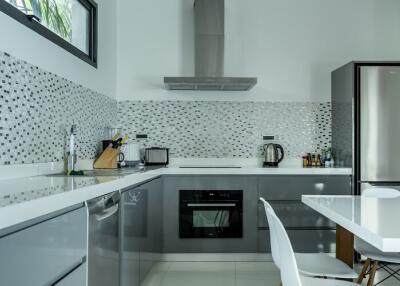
[[215, 129], [38, 107]]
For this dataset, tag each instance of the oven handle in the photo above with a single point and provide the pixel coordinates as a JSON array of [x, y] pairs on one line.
[[211, 205]]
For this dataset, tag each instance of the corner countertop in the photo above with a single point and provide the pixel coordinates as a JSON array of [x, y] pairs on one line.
[[24, 199]]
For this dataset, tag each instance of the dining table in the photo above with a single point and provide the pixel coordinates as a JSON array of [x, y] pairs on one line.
[[374, 220]]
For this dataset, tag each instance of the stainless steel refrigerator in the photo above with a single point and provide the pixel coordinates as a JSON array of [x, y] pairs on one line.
[[366, 122]]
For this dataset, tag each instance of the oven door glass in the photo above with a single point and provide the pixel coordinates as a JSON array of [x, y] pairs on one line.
[[210, 214], [210, 218]]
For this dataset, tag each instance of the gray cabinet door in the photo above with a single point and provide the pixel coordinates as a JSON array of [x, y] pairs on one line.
[[150, 247], [141, 231], [172, 243], [292, 187], [295, 214], [77, 277], [133, 230], [306, 241], [308, 230], [43, 253]]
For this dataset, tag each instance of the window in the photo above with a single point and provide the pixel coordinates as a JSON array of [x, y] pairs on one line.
[[71, 24]]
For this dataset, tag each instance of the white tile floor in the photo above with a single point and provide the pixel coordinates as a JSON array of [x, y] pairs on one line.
[[218, 274]]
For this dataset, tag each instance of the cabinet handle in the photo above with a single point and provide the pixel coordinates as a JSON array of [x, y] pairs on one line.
[[69, 271], [107, 213], [211, 205]]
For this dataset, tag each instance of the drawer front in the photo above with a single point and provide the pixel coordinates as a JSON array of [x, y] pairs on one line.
[[210, 182], [41, 254], [306, 241], [75, 278], [292, 187], [295, 214]]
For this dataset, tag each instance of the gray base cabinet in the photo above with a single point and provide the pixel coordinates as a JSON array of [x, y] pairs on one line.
[[53, 251], [172, 243], [295, 215], [47, 252], [141, 231], [77, 277], [308, 230], [306, 241], [292, 187]]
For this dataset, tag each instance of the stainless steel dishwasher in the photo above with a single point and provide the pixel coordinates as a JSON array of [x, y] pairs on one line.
[[103, 256]]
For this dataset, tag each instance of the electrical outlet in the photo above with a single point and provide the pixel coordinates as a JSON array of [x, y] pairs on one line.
[[269, 137]]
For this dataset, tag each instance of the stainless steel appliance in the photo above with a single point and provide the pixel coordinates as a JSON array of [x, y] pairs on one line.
[[272, 158], [104, 259], [365, 125], [156, 156], [209, 28], [210, 214]]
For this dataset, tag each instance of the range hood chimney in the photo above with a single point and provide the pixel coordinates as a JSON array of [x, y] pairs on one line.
[[209, 53]]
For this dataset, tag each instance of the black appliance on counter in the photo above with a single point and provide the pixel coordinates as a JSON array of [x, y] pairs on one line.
[[210, 214]]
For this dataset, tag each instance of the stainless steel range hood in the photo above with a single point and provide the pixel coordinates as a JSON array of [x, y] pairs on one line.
[[209, 53]]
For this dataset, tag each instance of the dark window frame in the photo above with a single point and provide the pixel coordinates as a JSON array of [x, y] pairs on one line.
[[31, 23]]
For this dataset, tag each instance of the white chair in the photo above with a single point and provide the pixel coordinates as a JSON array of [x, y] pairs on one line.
[[377, 259], [312, 264], [290, 275]]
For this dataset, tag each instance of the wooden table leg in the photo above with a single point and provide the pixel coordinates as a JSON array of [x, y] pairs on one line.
[[344, 245], [372, 274]]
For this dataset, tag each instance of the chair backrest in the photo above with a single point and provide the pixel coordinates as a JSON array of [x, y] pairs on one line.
[[289, 271], [272, 236], [380, 193]]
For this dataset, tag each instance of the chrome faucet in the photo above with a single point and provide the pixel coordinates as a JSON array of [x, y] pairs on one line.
[[71, 153]]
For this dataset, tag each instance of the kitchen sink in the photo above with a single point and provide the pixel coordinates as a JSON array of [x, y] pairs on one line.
[[104, 173], [210, 167]]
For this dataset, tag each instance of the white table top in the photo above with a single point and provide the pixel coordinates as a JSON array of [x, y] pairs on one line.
[[371, 219]]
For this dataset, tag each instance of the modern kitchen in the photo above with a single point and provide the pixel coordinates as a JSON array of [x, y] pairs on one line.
[[199, 142]]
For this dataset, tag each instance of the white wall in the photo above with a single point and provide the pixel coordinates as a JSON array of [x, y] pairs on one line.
[[23, 43], [290, 45]]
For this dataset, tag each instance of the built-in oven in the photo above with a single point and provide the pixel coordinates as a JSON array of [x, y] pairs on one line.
[[210, 214]]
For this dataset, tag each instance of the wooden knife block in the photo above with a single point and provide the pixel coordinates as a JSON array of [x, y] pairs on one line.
[[108, 159]]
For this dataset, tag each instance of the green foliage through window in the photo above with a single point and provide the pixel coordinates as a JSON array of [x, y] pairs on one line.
[[56, 15], [70, 24]]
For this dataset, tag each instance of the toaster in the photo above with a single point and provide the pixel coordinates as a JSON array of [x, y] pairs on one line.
[[156, 156]]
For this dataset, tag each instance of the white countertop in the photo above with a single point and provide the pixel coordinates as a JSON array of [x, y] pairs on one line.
[[27, 198], [253, 171], [371, 219]]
